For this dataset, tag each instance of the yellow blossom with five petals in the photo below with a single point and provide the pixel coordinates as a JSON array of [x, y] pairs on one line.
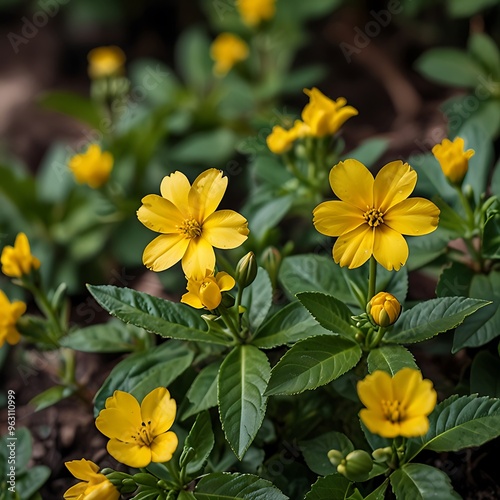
[[10, 312], [189, 224], [373, 214], [17, 261], [253, 12], [138, 434], [227, 50], [94, 485], [206, 291], [324, 116], [92, 167], [398, 405], [453, 158], [105, 61]]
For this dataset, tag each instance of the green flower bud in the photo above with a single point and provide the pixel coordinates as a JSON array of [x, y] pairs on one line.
[[145, 479], [186, 456], [384, 309], [271, 262], [246, 270], [381, 455], [358, 465], [336, 457]]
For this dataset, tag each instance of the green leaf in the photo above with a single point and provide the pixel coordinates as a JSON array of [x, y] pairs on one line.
[[485, 375], [202, 394], [160, 316], [201, 438], [332, 487], [113, 336], [449, 67], [28, 483], [369, 152], [258, 298], [466, 8], [51, 396], [378, 493], [328, 311], [269, 214], [484, 326], [144, 371], [450, 219], [422, 482], [226, 486], [288, 325], [316, 450], [390, 358], [458, 423], [485, 50], [242, 381], [74, 105], [455, 280], [23, 449], [313, 362], [491, 237], [431, 317]]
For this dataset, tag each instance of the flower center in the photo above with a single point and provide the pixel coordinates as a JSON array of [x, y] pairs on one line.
[[393, 410], [374, 217], [144, 436], [191, 228]]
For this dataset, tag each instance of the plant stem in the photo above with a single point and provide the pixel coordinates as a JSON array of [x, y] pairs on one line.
[[372, 279]]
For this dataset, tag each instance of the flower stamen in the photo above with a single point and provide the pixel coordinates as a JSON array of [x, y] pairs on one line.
[[374, 217], [191, 228], [393, 410]]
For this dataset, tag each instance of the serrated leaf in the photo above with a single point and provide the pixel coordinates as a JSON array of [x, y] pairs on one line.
[[201, 439], [332, 487], [288, 325], [316, 450], [242, 381], [202, 394], [313, 362], [422, 482], [390, 358], [156, 315], [455, 281], [431, 317], [144, 371], [328, 311], [226, 486], [458, 423], [258, 298]]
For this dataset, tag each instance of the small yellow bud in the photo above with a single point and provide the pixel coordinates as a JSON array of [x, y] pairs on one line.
[[227, 50], [246, 270], [17, 261], [358, 465], [336, 457], [384, 309], [92, 167], [452, 158], [381, 455], [105, 62]]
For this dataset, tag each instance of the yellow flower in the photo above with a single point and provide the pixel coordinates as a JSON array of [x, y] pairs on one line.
[[280, 140], [17, 261], [227, 50], [92, 167], [95, 486], [190, 226], [138, 434], [324, 116], [453, 159], [10, 312], [398, 405], [206, 292], [373, 214], [254, 11], [384, 309], [105, 61]]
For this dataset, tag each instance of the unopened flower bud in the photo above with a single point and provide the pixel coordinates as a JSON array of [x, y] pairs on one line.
[[358, 465], [271, 262], [186, 456], [246, 270], [381, 455], [336, 457], [384, 309]]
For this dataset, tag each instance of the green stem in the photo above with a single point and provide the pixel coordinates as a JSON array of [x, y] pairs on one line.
[[237, 306], [68, 358], [375, 340], [229, 321], [372, 279]]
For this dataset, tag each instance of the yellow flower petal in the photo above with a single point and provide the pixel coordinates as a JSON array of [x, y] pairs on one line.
[[117, 423], [394, 183], [82, 469], [192, 299], [374, 388], [131, 454], [225, 281], [160, 215], [159, 409], [413, 217], [198, 258], [354, 248], [165, 251], [414, 427], [206, 193], [390, 248], [376, 423], [353, 183], [175, 188], [423, 401], [75, 492], [333, 218], [163, 447], [210, 294], [225, 229]]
